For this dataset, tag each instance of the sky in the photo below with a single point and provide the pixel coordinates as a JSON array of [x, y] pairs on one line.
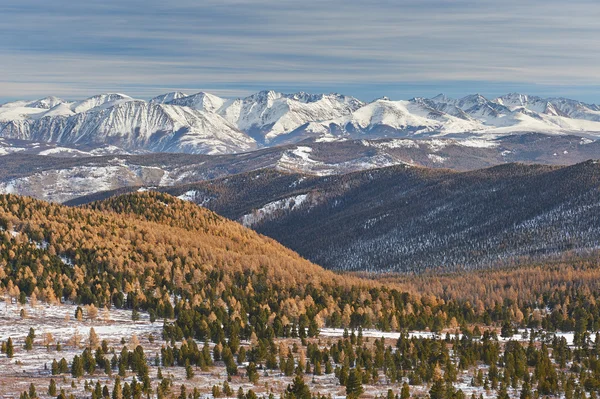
[[368, 49]]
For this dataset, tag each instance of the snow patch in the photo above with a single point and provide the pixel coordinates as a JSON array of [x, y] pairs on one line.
[[477, 143], [436, 158], [396, 143], [287, 204]]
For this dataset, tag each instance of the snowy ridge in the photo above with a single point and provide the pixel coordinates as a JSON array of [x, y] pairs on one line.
[[129, 124], [270, 114], [208, 124]]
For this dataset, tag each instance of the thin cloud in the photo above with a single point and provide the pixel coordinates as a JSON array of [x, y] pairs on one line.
[[79, 48]]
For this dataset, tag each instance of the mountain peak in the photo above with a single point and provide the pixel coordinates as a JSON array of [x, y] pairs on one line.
[[168, 97], [46, 102], [265, 95], [441, 98], [99, 100], [201, 101]]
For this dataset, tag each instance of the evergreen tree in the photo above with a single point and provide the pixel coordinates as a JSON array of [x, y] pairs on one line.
[[10, 350], [28, 343], [52, 387], [32, 392], [405, 392], [354, 384], [438, 390], [526, 391], [54, 368], [189, 371], [77, 367], [298, 389], [117, 389], [252, 372]]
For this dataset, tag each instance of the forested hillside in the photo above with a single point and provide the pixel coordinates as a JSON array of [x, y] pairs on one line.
[[408, 219], [238, 306], [151, 251]]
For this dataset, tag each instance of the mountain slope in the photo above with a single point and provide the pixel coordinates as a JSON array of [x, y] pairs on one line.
[[167, 97], [411, 219], [551, 106], [138, 235]]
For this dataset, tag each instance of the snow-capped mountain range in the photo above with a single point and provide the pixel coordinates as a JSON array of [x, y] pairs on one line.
[[203, 123]]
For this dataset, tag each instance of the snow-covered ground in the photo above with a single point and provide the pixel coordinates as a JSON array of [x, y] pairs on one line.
[[54, 324], [57, 323]]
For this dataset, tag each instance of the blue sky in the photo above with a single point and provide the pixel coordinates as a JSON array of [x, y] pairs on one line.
[[399, 49]]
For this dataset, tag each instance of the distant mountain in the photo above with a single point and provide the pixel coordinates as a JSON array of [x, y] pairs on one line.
[[115, 119], [64, 172], [383, 118], [208, 124], [444, 116], [553, 106], [268, 115]]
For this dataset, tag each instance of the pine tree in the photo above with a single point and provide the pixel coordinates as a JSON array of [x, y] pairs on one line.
[[354, 384], [10, 350], [32, 392], [405, 392], [189, 371], [77, 367], [526, 391], [54, 367], [438, 390], [52, 387], [241, 355], [117, 389], [252, 373], [298, 389], [313, 328], [227, 389], [63, 366], [503, 392]]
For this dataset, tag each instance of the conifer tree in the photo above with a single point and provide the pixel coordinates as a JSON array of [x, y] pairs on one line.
[[10, 350], [405, 391], [52, 387], [438, 390], [77, 367], [354, 384], [298, 389]]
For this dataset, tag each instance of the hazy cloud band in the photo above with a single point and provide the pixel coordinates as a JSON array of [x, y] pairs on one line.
[[394, 48]]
